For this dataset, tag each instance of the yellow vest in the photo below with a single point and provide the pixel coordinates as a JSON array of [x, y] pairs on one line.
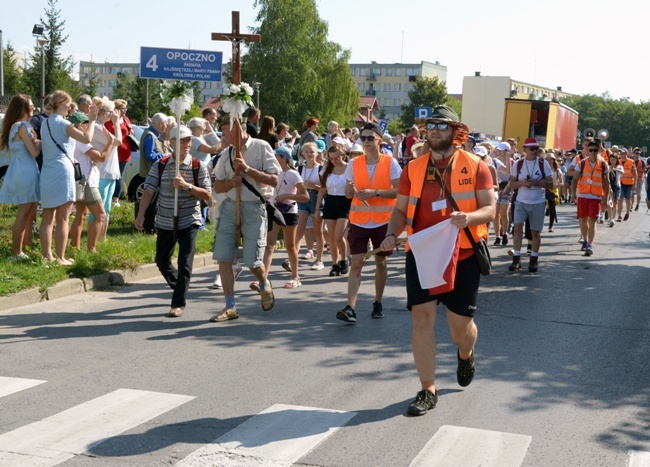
[[463, 182]]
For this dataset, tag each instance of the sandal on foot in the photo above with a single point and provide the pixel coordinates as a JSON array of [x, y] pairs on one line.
[[268, 299], [226, 315], [254, 286]]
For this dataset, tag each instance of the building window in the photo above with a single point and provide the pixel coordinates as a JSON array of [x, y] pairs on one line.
[[408, 87], [398, 72], [111, 82], [411, 72], [396, 102], [389, 72], [376, 71], [353, 71], [363, 71], [387, 101], [397, 87], [362, 86], [386, 87]]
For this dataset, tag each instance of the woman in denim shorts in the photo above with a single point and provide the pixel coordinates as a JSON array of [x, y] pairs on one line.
[[310, 173]]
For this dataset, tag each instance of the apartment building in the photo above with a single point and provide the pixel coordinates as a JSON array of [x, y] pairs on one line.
[[484, 100], [391, 82]]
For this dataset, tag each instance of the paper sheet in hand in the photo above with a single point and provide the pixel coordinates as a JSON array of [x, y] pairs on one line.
[[433, 248]]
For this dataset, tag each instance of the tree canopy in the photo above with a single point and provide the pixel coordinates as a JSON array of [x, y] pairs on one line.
[[426, 92], [301, 72]]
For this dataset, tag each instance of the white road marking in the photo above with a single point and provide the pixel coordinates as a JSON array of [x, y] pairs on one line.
[[62, 436], [467, 447], [277, 436], [638, 458], [12, 385]]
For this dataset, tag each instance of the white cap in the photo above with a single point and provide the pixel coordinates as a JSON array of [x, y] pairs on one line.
[[184, 132]]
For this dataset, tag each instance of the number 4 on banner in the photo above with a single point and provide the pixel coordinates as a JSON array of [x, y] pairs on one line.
[[152, 63]]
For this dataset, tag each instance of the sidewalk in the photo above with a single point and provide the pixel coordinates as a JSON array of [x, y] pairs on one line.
[[77, 286]]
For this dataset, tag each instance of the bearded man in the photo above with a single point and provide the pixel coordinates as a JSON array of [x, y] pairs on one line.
[[421, 203]]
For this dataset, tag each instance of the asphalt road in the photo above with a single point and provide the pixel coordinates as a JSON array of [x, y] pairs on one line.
[[103, 379]]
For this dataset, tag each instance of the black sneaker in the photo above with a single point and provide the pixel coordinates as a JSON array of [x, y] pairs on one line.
[[504, 239], [424, 401], [343, 267], [377, 310], [336, 270], [497, 241], [532, 265], [347, 314], [516, 264], [466, 370]]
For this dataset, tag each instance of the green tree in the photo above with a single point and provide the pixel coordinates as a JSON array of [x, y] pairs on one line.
[[13, 74], [57, 68], [301, 71], [426, 92]]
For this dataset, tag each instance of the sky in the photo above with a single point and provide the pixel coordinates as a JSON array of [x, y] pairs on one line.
[[586, 47]]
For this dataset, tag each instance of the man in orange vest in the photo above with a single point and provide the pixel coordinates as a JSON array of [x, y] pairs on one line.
[[372, 181], [628, 183], [421, 203], [592, 182], [640, 175]]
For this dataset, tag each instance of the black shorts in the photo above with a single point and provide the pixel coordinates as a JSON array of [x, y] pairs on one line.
[[461, 300], [336, 207]]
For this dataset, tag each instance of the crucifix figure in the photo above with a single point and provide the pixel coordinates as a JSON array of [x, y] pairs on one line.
[[236, 39]]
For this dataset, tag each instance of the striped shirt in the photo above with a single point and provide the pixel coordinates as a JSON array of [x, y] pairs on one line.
[[189, 207]]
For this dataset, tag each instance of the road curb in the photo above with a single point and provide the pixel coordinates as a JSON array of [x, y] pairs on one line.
[[76, 286]]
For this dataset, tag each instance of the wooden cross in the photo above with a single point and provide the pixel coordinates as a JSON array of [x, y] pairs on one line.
[[236, 39]]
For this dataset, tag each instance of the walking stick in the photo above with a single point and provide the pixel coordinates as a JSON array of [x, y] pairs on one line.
[[177, 164]]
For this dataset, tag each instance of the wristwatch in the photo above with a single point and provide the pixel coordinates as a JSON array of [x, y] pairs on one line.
[[246, 170], [377, 193], [190, 188]]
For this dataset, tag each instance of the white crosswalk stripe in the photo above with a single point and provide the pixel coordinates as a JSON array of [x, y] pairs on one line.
[[60, 437], [277, 436], [13, 385], [638, 458], [467, 447]]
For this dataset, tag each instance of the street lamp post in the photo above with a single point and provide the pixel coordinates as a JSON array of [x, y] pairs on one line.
[[2, 71], [257, 85], [37, 32]]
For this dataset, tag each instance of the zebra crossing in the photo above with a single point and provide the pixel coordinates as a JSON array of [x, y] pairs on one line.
[[277, 436]]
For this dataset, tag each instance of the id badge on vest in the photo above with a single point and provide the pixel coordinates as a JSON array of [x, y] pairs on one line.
[[440, 205]]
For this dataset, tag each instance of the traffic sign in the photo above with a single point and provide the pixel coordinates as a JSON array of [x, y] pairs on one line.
[[422, 112], [188, 65], [383, 124]]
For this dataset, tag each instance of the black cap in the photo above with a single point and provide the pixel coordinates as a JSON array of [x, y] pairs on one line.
[[373, 127]]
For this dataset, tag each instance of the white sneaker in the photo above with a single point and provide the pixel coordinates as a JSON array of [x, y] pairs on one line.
[[317, 266], [217, 282], [237, 269]]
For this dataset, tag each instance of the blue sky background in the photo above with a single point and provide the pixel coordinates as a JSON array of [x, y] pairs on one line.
[[585, 47]]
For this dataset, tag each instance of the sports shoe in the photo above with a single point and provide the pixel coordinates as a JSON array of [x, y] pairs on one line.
[[217, 282], [627, 216], [286, 265], [343, 266], [504, 239], [511, 252], [611, 223], [637, 207], [377, 310], [532, 264], [336, 270], [529, 250], [619, 219], [584, 246], [21, 257], [424, 401], [589, 250], [237, 269], [308, 255], [516, 264], [466, 368], [317, 266], [254, 286], [347, 314], [497, 241], [293, 283]]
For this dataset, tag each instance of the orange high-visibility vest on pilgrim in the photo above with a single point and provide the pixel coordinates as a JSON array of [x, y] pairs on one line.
[[628, 175], [464, 167], [592, 183], [378, 209]]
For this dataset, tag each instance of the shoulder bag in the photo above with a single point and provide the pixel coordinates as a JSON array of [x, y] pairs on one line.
[[78, 174]]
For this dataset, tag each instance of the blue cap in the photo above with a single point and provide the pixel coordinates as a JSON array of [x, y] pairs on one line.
[[320, 145], [284, 152]]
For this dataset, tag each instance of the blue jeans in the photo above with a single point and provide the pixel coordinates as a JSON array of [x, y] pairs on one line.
[[118, 183]]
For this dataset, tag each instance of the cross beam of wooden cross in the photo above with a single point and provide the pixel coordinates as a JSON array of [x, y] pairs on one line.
[[236, 39]]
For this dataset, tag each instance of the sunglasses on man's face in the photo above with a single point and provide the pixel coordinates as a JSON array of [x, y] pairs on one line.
[[593, 150], [439, 126], [367, 138]]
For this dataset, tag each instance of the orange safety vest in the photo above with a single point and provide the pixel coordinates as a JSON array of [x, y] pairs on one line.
[[464, 169], [592, 183], [628, 175], [378, 209]]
